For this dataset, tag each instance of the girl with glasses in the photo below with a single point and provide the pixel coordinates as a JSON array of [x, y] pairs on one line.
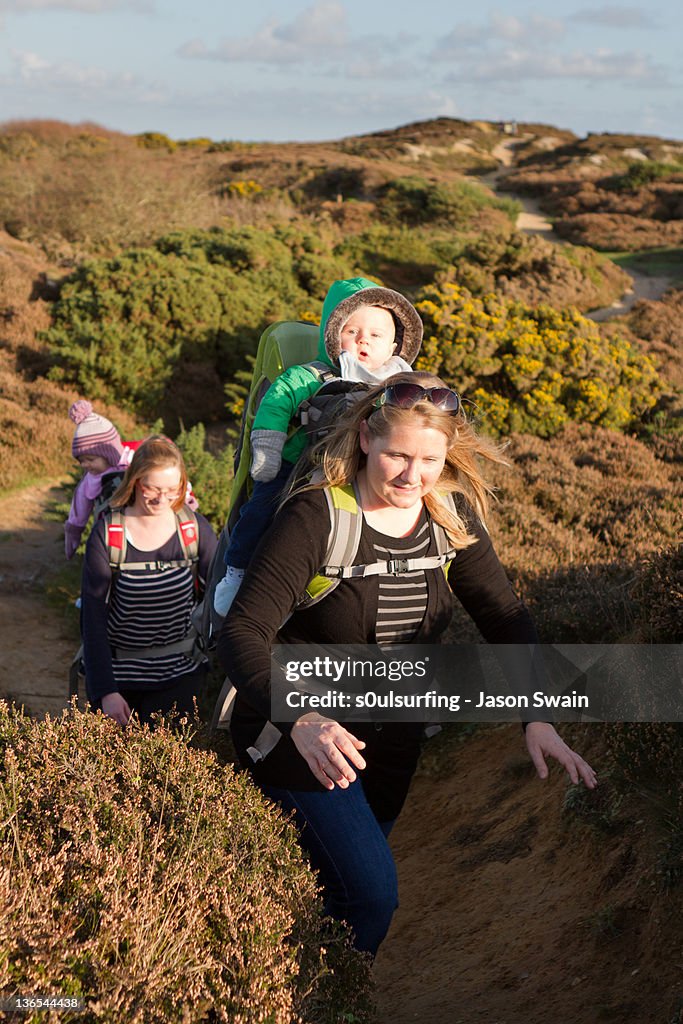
[[136, 616], [402, 446]]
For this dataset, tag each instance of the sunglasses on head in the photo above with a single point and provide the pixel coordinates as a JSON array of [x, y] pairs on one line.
[[407, 395]]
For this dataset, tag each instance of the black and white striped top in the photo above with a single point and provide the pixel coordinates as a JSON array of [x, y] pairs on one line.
[[150, 609], [144, 609], [402, 598]]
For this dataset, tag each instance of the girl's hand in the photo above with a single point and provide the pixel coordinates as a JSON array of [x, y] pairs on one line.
[[328, 749], [116, 707], [543, 741]]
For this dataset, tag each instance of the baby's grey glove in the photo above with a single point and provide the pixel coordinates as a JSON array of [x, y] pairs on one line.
[[266, 454]]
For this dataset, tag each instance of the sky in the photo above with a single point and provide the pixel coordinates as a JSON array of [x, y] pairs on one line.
[[330, 68]]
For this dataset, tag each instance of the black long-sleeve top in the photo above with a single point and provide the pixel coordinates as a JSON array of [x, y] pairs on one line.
[[288, 556]]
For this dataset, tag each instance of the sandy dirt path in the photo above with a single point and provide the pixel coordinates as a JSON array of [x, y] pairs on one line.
[[35, 645], [533, 221], [645, 286]]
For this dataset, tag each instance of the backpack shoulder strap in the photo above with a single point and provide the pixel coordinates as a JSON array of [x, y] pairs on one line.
[[346, 526], [443, 542], [115, 537], [188, 532], [323, 371]]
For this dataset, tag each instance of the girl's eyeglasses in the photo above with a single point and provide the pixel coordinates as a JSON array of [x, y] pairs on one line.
[[149, 491], [407, 395]]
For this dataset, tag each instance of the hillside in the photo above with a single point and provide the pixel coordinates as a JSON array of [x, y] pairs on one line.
[[519, 906], [169, 257]]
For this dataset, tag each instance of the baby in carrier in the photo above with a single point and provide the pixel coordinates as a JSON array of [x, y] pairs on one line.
[[103, 457], [367, 334]]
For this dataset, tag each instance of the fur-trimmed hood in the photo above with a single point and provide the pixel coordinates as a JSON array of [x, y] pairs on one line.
[[345, 297]]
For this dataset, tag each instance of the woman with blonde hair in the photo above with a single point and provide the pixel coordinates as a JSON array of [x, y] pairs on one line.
[[144, 572], [402, 447]]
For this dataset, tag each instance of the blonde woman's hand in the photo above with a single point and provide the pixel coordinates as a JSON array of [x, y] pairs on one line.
[[114, 706], [328, 749], [543, 741]]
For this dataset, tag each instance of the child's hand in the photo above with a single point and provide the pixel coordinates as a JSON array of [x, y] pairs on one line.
[[266, 454], [72, 538]]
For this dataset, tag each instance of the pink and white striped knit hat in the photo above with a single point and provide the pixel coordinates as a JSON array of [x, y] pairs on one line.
[[95, 435]]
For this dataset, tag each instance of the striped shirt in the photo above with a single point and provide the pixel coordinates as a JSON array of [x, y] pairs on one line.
[[402, 598], [150, 609], [138, 609]]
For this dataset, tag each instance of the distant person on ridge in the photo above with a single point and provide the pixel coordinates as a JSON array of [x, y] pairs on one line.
[[367, 334]]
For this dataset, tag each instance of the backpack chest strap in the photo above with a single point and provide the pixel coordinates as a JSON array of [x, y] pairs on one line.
[[146, 567], [390, 567]]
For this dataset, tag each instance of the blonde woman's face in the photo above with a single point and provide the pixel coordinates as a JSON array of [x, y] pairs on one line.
[[403, 466]]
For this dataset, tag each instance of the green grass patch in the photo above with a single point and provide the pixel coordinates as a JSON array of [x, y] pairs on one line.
[[667, 262]]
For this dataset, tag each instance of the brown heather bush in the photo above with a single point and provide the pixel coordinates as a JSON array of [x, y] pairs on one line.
[[587, 526], [622, 232], [660, 326], [35, 430], [158, 885]]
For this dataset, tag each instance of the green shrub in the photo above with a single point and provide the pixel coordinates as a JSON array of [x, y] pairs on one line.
[[641, 173], [157, 885], [415, 201], [400, 256], [211, 476], [125, 327], [532, 369]]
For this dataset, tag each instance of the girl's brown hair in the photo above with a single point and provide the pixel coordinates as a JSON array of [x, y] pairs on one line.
[[155, 452], [340, 456]]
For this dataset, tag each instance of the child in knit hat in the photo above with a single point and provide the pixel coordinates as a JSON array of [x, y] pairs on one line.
[[97, 446]]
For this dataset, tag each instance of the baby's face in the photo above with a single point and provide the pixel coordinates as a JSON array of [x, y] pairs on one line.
[[369, 336], [93, 464]]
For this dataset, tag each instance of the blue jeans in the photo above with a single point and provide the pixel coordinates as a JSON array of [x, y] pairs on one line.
[[255, 517], [349, 849]]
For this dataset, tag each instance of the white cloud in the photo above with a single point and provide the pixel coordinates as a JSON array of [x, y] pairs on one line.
[[529, 65], [613, 16], [318, 36], [498, 27], [316, 33], [321, 24], [534, 25], [30, 69], [84, 6]]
